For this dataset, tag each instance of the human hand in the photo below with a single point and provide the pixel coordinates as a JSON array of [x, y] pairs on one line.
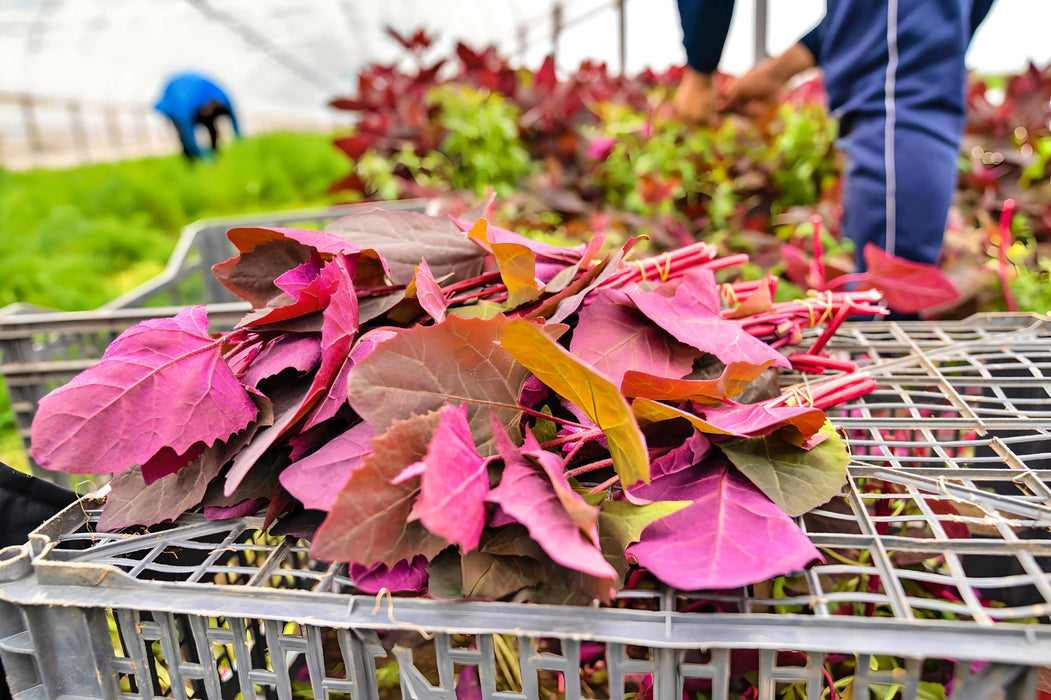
[[758, 89], [694, 101]]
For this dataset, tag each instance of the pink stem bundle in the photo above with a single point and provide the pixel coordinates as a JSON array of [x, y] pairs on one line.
[[1006, 239]]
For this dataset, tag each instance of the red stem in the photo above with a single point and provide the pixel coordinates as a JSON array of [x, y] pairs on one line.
[[593, 466], [587, 434], [831, 328]]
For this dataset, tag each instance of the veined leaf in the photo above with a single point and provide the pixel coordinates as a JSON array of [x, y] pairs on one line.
[[369, 522], [422, 368], [590, 391], [730, 536], [690, 312], [517, 265], [735, 378], [615, 339], [161, 384], [797, 480], [454, 483]]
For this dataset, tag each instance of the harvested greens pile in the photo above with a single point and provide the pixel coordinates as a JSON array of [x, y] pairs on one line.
[[473, 413]]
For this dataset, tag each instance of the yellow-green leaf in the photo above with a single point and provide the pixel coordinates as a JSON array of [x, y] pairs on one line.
[[517, 265], [593, 393]]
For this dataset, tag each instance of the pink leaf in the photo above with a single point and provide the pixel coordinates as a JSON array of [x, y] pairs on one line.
[[690, 311], [731, 536], [405, 576], [267, 254], [600, 147], [455, 481], [166, 462], [690, 452], [908, 287], [298, 351], [527, 494], [369, 522], [336, 397], [614, 339], [422, 368], [429, 294], [317, 479], [798, 267], [160, 384], [239, 510], [339, 326]]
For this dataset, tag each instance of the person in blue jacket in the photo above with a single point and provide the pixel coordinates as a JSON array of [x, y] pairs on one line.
[[190, 99], [895, 77]]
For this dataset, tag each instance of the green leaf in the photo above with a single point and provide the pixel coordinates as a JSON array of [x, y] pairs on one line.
[[620, 524], [797, 480], [593, 393]]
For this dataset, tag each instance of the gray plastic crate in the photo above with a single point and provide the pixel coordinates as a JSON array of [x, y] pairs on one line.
[[937, 565], [41, 350]]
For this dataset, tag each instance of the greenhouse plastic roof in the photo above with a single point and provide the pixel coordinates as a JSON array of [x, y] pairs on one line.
[[288, 57]]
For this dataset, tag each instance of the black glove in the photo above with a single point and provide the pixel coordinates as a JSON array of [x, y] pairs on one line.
[[25, 503]]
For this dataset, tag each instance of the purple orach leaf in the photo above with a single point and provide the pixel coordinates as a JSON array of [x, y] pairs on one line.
[[690, 311], [298, 278], [533, 392], [468, 686], [731, 536], [404, 238], [132, 502], [316, 480], [735, 378], [370, 521], [240, 510], [600, 147], [682, 485], [455, 481], [742, 420], [527, 493], [614, 339], [267, 254], [423, 367], [428, 293], [495, 234], [753, 420], [908, 287], [166, 462], [403, 577], [313, 296], [338, 329], [567, 304], [161, 384], [692, 451], [336, 397], [298, 351]]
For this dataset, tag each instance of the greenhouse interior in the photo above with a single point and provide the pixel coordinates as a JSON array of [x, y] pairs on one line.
[[693, 350]]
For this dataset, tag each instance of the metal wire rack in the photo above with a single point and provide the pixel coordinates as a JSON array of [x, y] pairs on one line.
[[936, 569]]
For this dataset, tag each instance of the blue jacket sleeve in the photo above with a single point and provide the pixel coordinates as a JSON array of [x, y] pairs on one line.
[[812, 41], [187, 136], [705, 24]]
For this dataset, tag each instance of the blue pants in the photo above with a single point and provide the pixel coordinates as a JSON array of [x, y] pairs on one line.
[[895, 76]]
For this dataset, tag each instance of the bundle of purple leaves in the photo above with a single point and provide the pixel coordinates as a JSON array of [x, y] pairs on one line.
[[470, 412]]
